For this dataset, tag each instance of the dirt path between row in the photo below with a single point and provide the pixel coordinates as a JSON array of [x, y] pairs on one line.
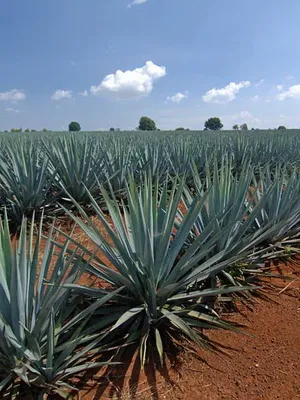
[[266, 366], [263, 366]]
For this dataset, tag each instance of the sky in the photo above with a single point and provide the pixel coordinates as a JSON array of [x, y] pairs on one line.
[[106, 63]]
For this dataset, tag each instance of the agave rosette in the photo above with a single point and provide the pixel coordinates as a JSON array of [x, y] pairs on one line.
[[42, 339], [78, 164], [145, 252], [25, 182]]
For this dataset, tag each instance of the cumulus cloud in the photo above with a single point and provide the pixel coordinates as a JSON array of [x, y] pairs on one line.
[[279, 88], [12, 110], [62, 94], [13, 95], [131, 83], [177, 98], [293, 92], [243, 116], [256, 98], [246, 115], [226, 94], [137, 3], [84, 93]]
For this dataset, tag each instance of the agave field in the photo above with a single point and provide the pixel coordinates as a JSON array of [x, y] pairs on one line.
[[182, 224]]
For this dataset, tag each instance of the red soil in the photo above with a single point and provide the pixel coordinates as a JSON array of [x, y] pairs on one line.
[[264, 366]]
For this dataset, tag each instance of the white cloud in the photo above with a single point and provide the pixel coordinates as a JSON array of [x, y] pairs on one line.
[[243, 114], [293, 92], [256, 98], [242, 117], [13, 95], [62, 94], [84, 93], [260, 82], [178, 97], [137, 3], [226, 94], [131, 83], [11, 110], [279, 88], [289, 77]]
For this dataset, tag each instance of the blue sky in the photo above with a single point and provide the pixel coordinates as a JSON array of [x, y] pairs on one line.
[[179, 63]]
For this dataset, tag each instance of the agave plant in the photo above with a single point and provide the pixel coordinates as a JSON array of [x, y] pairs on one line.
[[229, 201], [78, 164], [26, 187], [276, 200], [282, 202], [144, 251], [225, 205], [42, 339]]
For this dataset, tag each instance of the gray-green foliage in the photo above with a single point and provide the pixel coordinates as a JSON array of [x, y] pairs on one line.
[[40, 171], [74, 126], [163, 279], [26, 181], [77, 166], [42, 339], [261, 213], [147, 124], [193, 215]]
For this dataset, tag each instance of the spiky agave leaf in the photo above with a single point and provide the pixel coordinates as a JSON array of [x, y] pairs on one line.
[[226, 202], [25, 183], [144, 248], [78, 165], [282, 205], [260, 212], [42, 339]]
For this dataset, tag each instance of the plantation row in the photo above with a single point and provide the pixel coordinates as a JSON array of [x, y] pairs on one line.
[[182, 229], [42, 171]]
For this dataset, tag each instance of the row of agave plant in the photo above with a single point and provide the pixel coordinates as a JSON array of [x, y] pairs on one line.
[[41, 173], [167, 256]]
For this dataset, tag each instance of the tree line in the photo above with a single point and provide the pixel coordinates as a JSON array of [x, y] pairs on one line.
[[148, 124]]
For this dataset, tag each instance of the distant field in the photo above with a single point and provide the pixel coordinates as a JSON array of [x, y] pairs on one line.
[[156, 234], [43, 169]]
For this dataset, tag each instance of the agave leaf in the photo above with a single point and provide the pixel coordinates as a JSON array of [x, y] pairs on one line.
[[186, 329], [211, 292], [38, 314], [159, 346], [127, 316], [90, 310], [6, 381], [84, 367], [143, 349], [146, 246]]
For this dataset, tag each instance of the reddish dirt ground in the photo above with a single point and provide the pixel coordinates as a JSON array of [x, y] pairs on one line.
[[263, 366], [266, 366]]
